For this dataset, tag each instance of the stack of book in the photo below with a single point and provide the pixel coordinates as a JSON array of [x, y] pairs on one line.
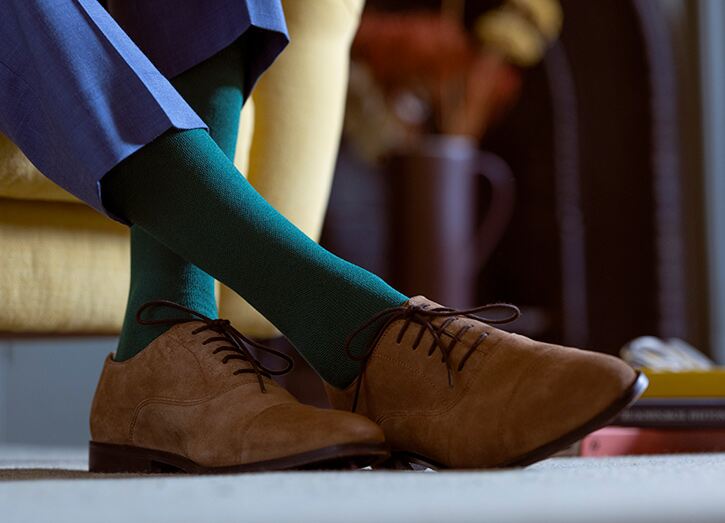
[[679, 412]]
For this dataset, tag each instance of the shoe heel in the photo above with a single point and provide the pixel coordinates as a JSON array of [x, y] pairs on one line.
[[394, 462], [107, 458]]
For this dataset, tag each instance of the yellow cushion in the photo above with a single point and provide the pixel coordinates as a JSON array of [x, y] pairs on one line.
[[20, 179], [63, 268]]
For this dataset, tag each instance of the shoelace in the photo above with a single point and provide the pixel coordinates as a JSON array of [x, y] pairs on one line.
[[239, 345], [424, 316]]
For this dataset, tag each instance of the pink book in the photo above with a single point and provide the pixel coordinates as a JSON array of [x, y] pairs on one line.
[[622, 441]]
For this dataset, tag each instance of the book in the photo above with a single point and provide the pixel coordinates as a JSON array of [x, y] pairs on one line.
[[674, 413], [686, 384], [622, 441]]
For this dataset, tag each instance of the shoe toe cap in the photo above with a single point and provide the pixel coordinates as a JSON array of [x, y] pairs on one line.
[[565, 390]]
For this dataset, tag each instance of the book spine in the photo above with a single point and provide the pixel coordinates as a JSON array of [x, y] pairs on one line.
[[672, 417]]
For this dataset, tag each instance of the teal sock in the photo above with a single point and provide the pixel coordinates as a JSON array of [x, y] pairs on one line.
[[213, 90], [187, 194]]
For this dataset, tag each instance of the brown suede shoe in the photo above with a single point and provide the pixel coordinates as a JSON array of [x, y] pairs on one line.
[[195, 400], [451, 391]]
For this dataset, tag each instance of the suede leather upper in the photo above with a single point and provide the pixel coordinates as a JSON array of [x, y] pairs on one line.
[[177, 396], [512, 396]]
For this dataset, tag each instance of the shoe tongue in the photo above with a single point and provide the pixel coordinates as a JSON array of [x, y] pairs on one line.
[[454, 322], [418, 301]]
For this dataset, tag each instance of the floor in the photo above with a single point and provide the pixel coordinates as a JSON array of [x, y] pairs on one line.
[[45, 484]]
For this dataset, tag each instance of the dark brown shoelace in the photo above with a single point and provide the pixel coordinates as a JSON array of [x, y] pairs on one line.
[[239, 345], [423, 316]]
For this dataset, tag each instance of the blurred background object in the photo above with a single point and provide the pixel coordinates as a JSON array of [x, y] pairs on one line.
[[425, 89], [420, 71], [593, 109], [649, 352]]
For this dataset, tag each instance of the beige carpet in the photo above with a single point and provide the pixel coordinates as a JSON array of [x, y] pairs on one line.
[[50, 485]]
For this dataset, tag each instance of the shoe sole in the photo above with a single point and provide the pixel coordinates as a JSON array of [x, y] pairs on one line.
[[109, 458], [408, 461]]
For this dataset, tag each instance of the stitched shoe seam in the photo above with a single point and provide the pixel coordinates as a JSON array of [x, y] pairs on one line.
[[173, 335], [162, 400], [251, 422]]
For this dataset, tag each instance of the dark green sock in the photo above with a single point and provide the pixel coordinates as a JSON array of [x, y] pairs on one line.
[[213, 89], [187, 194]]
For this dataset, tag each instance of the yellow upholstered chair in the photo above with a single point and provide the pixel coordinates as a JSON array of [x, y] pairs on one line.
[[65, 269]]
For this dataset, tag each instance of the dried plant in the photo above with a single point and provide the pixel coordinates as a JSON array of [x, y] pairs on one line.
[[422, 72]]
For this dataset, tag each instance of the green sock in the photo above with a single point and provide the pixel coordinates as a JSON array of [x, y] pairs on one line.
[[213, 89], [187, 194]]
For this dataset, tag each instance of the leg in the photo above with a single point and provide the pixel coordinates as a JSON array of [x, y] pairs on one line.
[[213, 90], [293, 170]]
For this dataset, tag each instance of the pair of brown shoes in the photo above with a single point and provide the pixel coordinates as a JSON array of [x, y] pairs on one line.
[[439, 387]]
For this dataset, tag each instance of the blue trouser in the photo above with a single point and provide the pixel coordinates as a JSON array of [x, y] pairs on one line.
[[77, 95]]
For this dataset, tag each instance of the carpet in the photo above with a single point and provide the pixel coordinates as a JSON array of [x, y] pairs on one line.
[[51, 485]]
